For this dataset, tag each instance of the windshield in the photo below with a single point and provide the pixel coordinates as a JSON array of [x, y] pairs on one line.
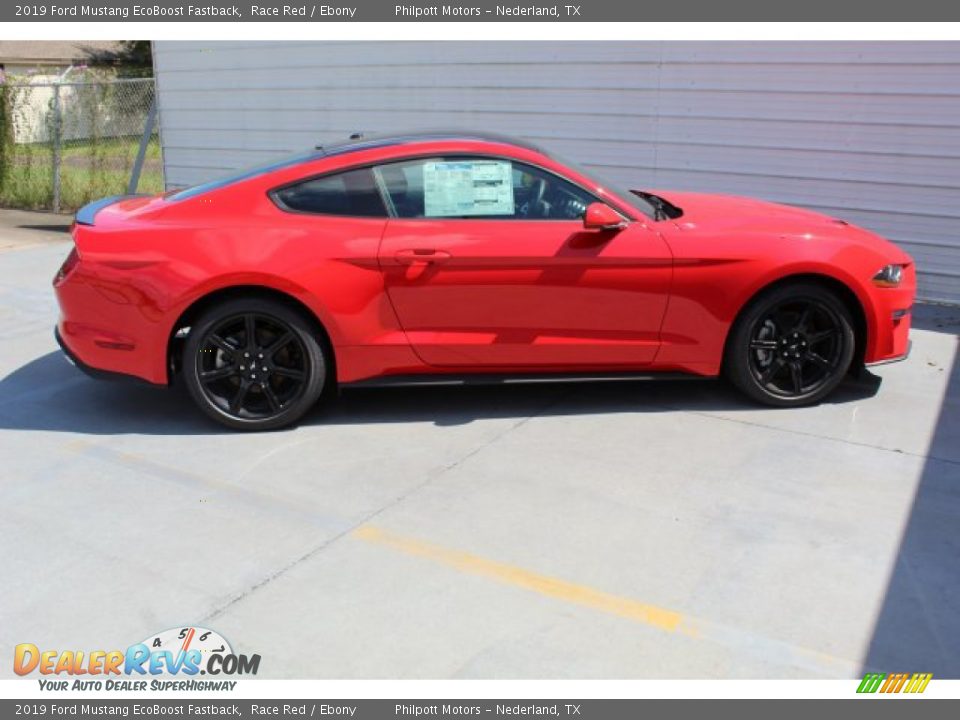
[[245, 174], [622, 193]]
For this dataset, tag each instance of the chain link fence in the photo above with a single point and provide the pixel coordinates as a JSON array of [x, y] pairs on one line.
[[65, 144]]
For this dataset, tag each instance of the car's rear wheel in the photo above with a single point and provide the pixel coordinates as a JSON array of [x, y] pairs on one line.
[[791, 346], [254, 364]]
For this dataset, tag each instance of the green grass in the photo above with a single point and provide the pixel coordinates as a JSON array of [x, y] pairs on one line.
[[89, 170]]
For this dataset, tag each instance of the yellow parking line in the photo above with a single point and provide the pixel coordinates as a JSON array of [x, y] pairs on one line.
[[739, 640], [658, 617]]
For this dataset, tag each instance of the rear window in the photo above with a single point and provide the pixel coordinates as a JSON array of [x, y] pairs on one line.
[[353, 193]]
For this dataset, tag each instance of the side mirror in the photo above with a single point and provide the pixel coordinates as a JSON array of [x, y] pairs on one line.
[[602, 217]]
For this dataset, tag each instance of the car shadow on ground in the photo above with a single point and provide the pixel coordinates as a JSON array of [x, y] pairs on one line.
[[58, 228], [918, 627], [51, 395]]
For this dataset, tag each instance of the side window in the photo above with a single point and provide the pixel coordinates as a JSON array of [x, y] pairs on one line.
[[403, 185], [542, 195], [479, 187], [353, 193]]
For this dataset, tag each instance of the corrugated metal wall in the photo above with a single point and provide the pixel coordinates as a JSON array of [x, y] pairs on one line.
[[863, 130]]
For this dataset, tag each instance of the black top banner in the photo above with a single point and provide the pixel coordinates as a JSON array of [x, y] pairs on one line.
[[480, 11]]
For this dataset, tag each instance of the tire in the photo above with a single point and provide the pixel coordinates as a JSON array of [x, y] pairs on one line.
[[791, 346], [264, 380]]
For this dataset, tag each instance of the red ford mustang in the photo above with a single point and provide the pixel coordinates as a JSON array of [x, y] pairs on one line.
[[467, 257]]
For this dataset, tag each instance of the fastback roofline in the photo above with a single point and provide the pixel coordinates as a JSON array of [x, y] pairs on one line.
[[358, 141]]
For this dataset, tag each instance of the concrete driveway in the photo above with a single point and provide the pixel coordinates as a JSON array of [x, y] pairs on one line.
[[610, 531]]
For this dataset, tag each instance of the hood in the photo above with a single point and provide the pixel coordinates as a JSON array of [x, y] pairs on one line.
[[704, 208], [731, 215]]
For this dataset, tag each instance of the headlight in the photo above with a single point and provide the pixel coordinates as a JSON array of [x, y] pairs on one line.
[[889, 276]]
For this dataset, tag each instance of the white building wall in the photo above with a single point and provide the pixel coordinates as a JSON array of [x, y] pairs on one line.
[[866, 131]]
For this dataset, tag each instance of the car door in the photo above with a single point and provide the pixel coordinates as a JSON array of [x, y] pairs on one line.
[[488, 264]]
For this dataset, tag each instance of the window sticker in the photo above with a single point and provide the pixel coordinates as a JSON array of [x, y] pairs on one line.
[[467, 187]]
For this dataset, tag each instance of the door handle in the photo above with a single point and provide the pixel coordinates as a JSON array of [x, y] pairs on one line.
[[421, 256]]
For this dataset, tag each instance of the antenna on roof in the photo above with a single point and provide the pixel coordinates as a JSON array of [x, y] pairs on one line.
[[356, 136]]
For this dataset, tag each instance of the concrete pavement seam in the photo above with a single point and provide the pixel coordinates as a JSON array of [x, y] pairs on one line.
[[430, 479]]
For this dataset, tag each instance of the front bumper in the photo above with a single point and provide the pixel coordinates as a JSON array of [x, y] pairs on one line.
[[896, 359], [889, 316]]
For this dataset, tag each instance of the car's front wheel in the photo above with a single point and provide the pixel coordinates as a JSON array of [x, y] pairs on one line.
[[791, 346], [254, 364]]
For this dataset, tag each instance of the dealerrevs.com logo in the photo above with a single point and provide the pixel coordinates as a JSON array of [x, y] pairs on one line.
[[170, 660]]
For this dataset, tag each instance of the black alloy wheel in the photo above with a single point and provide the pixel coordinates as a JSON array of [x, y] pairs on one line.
[[792, 346], [254, 364]]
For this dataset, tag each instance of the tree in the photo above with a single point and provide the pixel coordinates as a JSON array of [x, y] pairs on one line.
[[129, 57]]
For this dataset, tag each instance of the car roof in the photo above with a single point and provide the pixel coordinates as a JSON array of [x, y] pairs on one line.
[[356, 143], [361, 141]]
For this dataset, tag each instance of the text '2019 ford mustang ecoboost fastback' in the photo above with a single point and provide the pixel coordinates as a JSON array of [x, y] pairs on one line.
[[461, 256]]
